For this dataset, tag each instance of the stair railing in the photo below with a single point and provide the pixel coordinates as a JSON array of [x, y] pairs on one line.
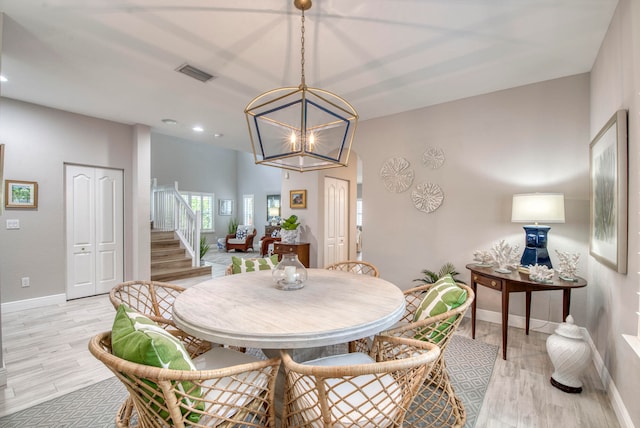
[[169, 211]]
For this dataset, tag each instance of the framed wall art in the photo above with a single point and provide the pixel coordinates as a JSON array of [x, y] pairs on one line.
[[608, 194], [225, 206], [298, 199], [20, 194]]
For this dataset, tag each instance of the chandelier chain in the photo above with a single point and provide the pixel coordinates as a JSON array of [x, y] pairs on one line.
[[302, 51]]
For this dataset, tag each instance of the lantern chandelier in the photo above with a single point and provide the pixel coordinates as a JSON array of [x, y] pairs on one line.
[[301, 128]]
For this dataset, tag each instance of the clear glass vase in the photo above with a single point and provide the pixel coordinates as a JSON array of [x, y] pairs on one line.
[[289, 274]]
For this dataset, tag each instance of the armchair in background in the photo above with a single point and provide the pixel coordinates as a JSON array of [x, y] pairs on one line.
[[266, 242], [242, 240]]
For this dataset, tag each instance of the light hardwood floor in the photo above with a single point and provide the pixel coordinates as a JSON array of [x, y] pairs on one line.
[[46, 356]]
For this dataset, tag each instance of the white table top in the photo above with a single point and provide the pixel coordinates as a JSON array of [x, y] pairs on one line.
[[247, 310]]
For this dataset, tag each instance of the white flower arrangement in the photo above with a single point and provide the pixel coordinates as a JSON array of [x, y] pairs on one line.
[[540, 273], [507, 257]]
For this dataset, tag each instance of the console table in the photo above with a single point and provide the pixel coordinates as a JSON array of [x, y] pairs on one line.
[[515, 282], [301, 249]]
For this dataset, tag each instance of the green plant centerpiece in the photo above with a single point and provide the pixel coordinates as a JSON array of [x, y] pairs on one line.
[[430, 277], [289, 229]]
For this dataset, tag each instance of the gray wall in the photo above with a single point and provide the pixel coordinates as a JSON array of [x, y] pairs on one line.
[[259, 181], [229, 174], [612, 301], [527, 139], [38, 142], [197, 167]]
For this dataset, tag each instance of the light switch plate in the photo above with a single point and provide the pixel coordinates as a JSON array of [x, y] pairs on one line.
[[13, 223]]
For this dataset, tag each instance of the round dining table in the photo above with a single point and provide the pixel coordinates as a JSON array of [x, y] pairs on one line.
[[248, 310]]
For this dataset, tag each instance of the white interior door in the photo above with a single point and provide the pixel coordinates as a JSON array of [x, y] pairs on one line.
[[95, 226], [336, 219]]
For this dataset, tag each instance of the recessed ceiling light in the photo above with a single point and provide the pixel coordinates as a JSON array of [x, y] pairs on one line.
[[3, 79], [170, 121], [198, 128], [218, 135]]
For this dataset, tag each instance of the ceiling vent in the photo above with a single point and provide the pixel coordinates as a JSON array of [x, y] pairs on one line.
[[196, 73]]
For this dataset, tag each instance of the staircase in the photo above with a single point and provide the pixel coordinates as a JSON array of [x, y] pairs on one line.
[[169, 261]]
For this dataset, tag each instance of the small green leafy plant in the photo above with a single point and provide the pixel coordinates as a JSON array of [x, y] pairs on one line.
[[290, 223], [204, 246], [431, 277], [233, 226]]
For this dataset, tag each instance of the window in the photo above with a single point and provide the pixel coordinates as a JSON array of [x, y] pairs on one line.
[[202, 202], [248, 209], [359, 212]]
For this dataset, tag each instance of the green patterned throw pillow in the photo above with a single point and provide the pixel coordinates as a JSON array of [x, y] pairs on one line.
[[240, 265], [443, 296], [136, 338]]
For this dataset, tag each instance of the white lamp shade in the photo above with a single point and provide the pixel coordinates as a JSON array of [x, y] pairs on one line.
[[538, 207]]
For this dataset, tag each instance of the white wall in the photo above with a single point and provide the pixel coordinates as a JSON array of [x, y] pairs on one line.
[[612, 300], [527, 139], [39, 141]]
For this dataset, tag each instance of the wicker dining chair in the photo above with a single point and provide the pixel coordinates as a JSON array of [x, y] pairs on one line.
[[361, 268], [355, 266], [241, 394], [356, 389], [437, 404], [155, 300], [151, 298]]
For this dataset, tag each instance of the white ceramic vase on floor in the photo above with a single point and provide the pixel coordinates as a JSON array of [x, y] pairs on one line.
[[570, 355]]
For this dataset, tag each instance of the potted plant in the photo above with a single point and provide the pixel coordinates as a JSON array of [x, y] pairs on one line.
[[233, 226], [204, 248], [430, 277], [289, 230]]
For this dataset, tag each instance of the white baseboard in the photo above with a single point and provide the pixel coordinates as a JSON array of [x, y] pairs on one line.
[[614, 396], [37, 302], [515, 321], [549, 327]]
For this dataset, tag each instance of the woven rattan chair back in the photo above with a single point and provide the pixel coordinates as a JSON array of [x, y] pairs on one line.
[[241, 395], [437, 405], [360, 268], [374, 394], [151, 298], [355, 266]]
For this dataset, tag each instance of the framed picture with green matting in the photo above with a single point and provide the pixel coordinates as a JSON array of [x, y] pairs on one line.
[[608, 193], [21, 194]]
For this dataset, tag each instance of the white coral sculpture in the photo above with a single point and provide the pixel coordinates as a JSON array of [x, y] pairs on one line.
[[568, 264], [482, 256], [505, 256], [540, 273]]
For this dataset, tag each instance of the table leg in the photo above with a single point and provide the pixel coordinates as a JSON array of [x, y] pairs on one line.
[[528, 310], [505, 320], [566, 303], [474, 287]]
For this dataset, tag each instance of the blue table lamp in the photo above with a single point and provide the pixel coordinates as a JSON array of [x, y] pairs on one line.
[[537, 208]]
